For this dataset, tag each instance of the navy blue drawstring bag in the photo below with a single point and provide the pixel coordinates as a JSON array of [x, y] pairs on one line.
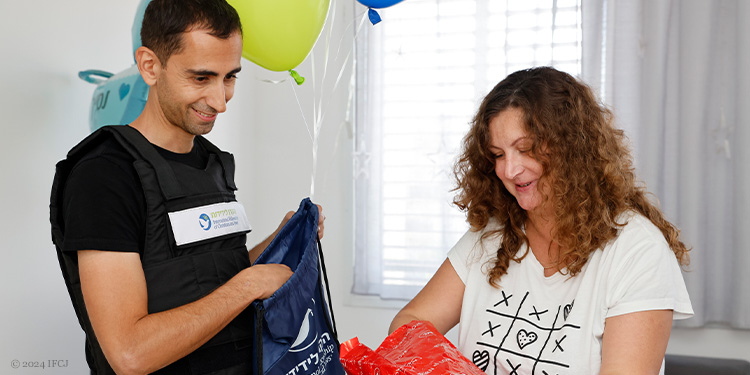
[[295, 332]]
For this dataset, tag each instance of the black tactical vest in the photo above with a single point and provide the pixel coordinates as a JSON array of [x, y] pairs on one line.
[[175, 274]]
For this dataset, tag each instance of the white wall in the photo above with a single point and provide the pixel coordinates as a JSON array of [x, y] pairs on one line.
[[45, 112]]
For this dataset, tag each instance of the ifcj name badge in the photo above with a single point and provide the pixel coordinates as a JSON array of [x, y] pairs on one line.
[[206, 222]]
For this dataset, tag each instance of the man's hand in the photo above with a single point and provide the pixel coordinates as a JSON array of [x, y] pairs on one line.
[[258, 249], [321, 221], [266, 279]]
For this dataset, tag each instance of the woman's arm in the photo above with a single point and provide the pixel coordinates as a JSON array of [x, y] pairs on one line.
[[439, 302], [635, 343]]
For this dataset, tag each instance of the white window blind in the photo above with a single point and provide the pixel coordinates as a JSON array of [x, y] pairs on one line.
[[421, 74]]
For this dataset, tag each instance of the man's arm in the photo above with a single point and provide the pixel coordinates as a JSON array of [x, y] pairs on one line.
[[136, 342]]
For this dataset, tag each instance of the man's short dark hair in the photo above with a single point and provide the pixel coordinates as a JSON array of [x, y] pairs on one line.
[[165, 20]]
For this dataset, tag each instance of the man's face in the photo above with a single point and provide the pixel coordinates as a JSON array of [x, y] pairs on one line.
[[195, 84]]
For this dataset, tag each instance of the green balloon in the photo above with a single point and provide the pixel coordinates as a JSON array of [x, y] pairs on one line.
[[279, 34]]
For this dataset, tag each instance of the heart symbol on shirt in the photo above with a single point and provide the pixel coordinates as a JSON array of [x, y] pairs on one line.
[[567, 309], [481, 359], [525, 338]]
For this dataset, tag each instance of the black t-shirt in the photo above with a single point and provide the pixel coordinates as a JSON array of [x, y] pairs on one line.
[[103, 204]]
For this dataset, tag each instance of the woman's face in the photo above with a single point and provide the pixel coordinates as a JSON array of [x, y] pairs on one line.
[[514, 165]]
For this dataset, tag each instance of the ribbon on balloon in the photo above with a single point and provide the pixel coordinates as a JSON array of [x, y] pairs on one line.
[[377, 4]]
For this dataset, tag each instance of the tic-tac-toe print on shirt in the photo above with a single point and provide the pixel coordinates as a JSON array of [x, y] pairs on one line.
[[530, 323], [525, 337]]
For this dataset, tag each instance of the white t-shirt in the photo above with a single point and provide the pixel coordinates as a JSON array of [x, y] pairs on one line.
[[553, 325]]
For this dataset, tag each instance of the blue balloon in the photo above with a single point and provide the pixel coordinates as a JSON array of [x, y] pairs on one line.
[[118, 99], [379, 3], [136, 29]]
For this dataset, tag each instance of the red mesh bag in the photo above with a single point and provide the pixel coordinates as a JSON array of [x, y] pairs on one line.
[[414, 349]]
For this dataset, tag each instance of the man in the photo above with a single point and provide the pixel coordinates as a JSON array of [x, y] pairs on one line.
[[150, 238]]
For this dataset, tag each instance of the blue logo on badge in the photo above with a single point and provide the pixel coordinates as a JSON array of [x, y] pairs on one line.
[[204, 221]]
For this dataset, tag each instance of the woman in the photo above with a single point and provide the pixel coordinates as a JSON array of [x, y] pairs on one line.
[[568, 268]]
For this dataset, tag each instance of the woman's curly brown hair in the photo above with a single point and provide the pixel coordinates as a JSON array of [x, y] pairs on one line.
[[588, 170]]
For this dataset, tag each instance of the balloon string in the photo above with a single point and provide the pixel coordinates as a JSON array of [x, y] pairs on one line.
[[345, 123], [318, 101], [343, 65], [328, 39], [363, 16], [314, 165], [321, 111], [302, 112], [314, 145]]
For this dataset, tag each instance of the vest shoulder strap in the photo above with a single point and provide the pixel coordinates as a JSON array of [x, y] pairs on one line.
[[226, 159], [141, 148]]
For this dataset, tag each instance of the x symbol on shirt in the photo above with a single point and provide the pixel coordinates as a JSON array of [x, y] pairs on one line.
[[557, 344], [505, 299], [492, 334], [513, 372], [537, 313]]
